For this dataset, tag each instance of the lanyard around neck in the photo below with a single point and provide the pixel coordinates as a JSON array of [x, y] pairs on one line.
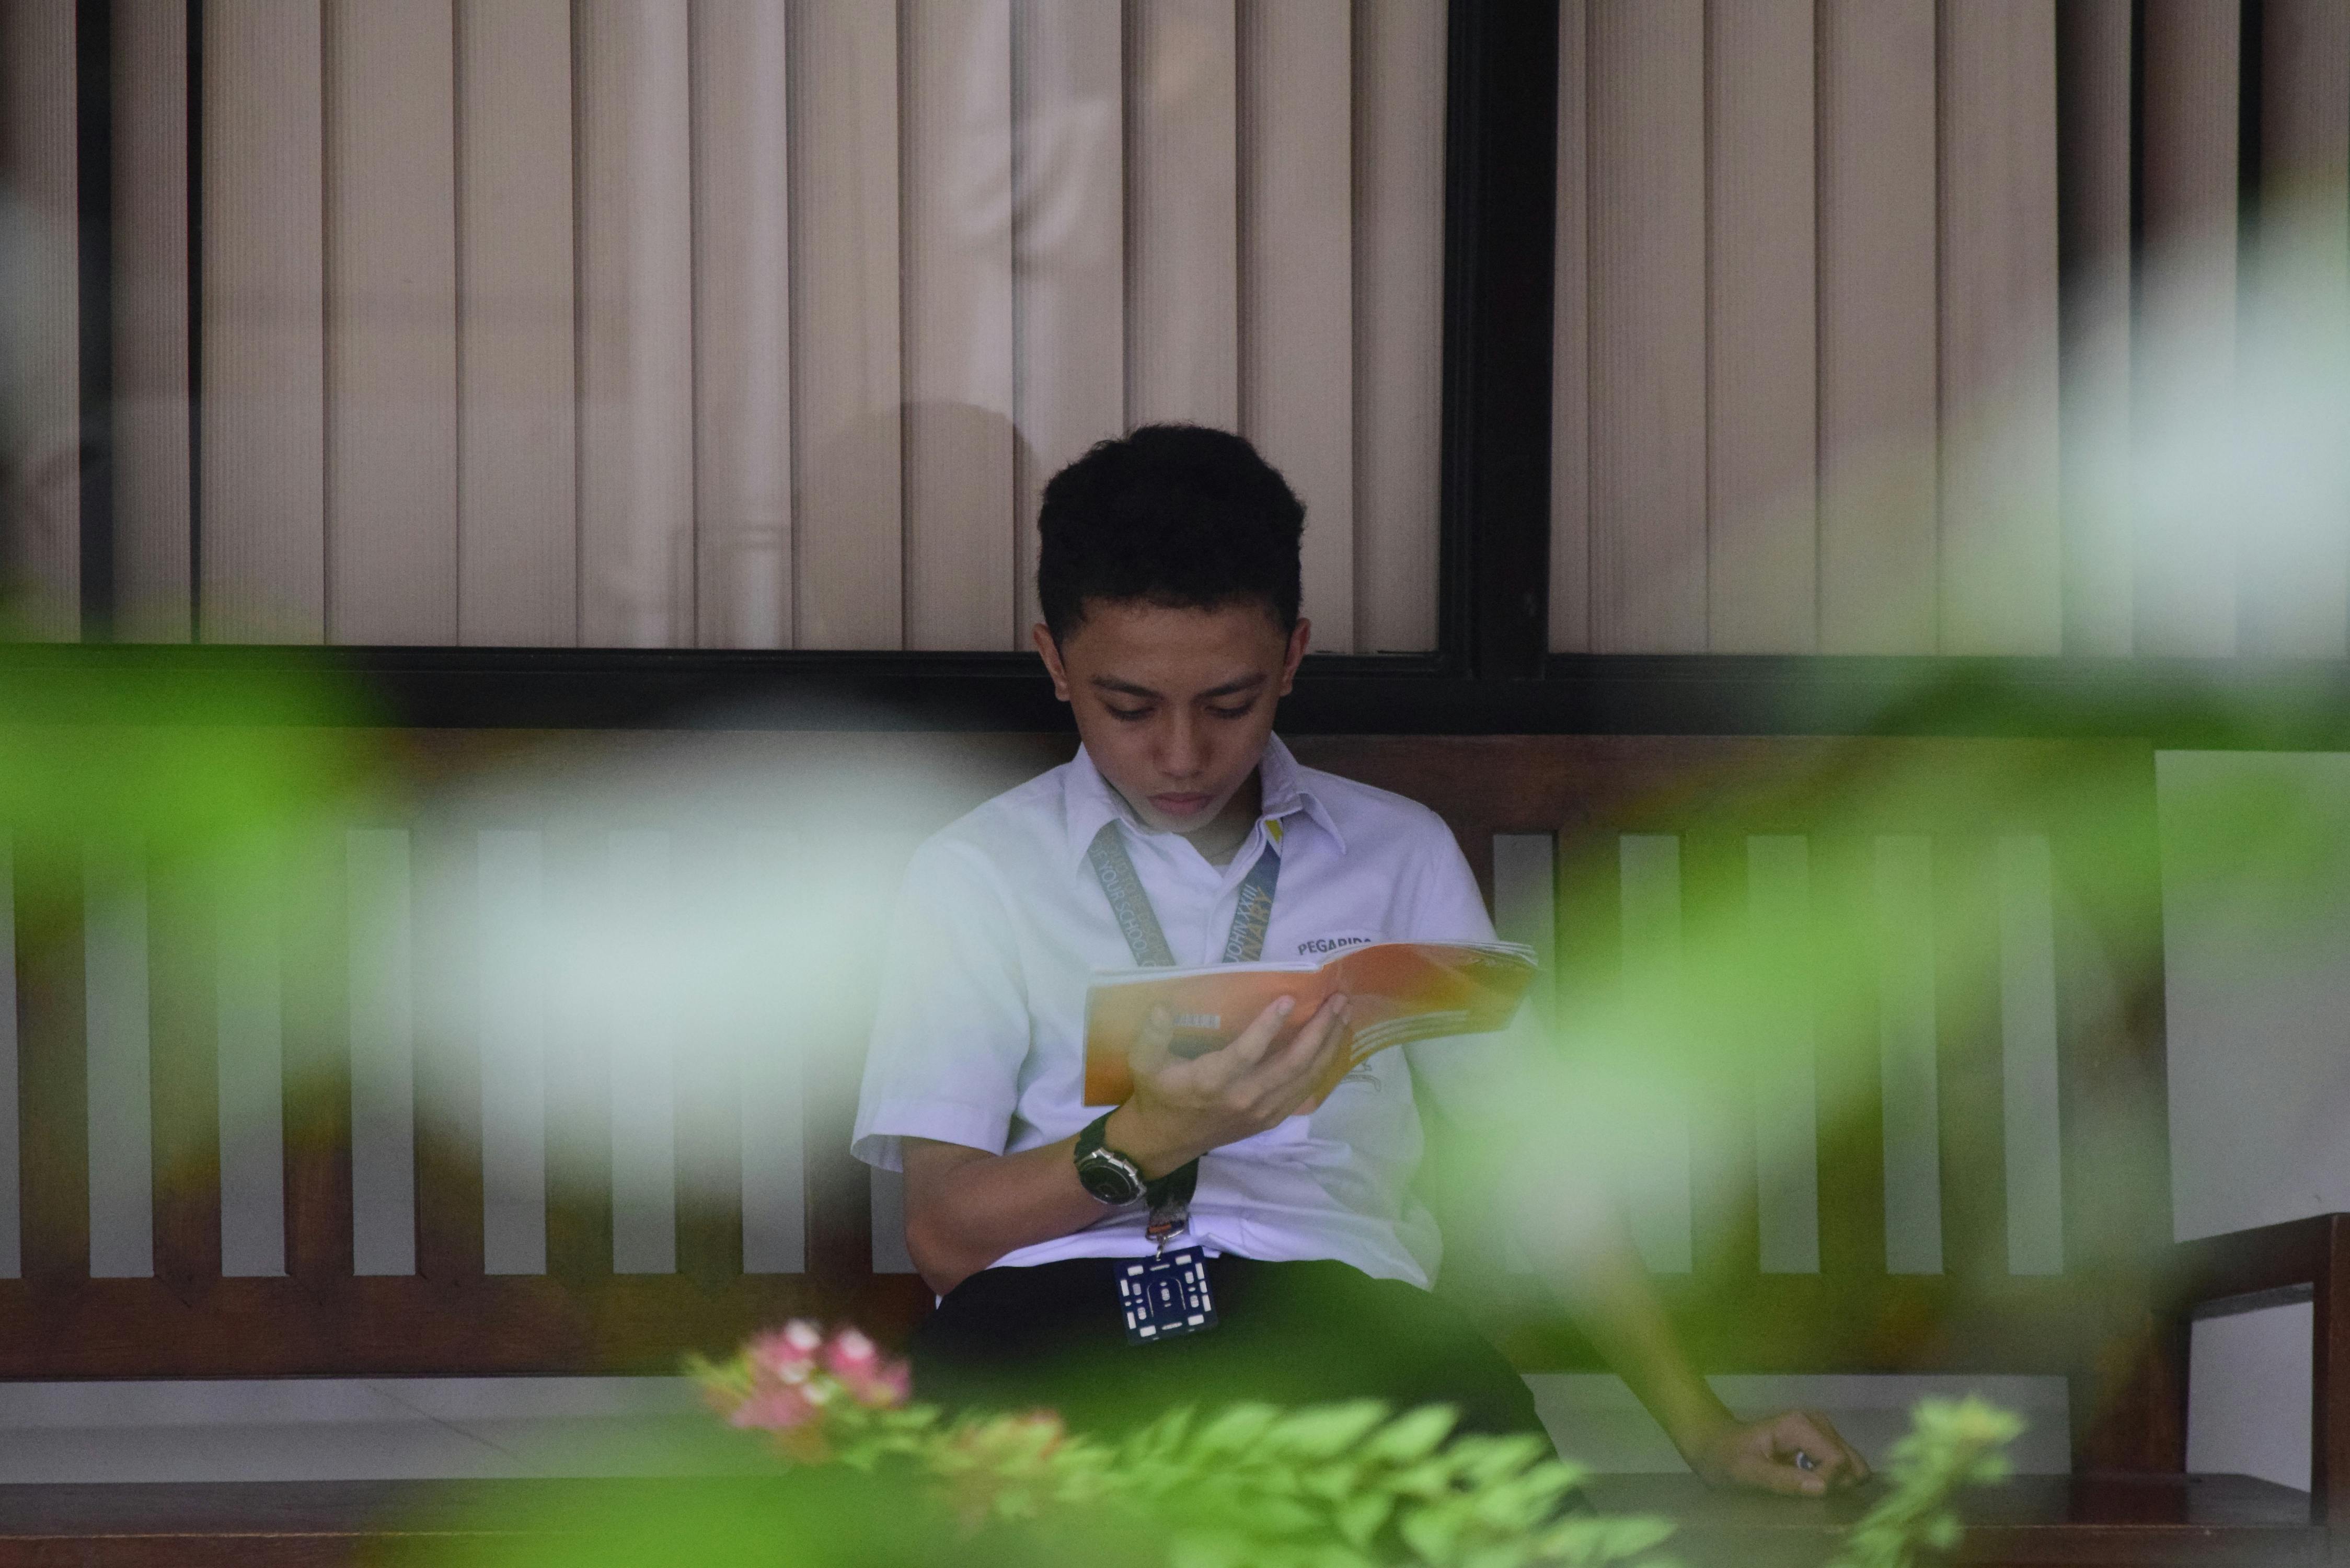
[[1122, 886], [1171, 1195]]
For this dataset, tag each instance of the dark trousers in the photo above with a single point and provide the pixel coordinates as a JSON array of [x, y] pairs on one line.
[[1051, 1336]]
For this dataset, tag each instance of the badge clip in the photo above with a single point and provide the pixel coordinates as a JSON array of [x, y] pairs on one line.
[[1166, 1296]]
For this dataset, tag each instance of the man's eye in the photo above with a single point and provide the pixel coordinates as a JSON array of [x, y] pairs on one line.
[[1129, 714], [1240, 712]]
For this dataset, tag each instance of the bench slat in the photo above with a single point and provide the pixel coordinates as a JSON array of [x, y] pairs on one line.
[[1851, 1077], [316, 942], [449, 938], [710, 1087], [53, 1083], [182, 967], [578, 1077], [1969, 1057], [1726, 1214]]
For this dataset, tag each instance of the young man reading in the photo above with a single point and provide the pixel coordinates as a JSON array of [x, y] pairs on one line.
[[1170, 581]]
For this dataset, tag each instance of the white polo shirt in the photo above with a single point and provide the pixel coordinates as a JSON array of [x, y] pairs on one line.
[[1001, 925]]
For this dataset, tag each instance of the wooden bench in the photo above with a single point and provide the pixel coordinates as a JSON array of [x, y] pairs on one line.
[[1589, 844]]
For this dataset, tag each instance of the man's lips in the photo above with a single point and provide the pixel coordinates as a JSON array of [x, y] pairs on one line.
[[1180, 805]]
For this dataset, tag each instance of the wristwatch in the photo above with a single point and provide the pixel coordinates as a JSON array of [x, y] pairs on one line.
[[1109, 1175]]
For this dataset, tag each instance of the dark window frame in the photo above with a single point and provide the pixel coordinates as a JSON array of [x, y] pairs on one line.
[[1491, 671]]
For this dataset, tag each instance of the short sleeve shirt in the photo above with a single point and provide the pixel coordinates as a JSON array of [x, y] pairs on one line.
[[1001, 925]]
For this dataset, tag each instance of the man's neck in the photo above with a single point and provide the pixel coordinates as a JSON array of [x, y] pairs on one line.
[[1224, 834]]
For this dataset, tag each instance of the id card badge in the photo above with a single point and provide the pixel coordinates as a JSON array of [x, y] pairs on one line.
[[1165, 1296]]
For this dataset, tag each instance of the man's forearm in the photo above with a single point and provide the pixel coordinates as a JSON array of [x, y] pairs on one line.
[[966, 1207], [1603, 1281]]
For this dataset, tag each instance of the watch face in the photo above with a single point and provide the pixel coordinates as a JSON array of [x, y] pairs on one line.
[[1109, 1177]]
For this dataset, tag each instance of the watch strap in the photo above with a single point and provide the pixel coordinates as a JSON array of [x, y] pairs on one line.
[[1090, 1143], [1171, 1203], [1089, 1137], [1169, 1196]]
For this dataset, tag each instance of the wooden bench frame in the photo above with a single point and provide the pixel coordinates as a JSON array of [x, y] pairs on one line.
[[451, 1319], [2300, 1260]]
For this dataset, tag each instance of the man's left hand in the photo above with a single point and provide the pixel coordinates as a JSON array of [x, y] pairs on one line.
[[1799, 1453]]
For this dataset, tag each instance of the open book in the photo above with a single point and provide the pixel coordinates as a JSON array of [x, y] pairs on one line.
[[1398, 992]]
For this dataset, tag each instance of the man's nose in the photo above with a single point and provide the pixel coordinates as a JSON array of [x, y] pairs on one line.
[[1181, 753]]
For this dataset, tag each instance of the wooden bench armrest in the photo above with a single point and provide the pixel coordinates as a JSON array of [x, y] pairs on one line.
[[2298, 1255], [2300, 1259]]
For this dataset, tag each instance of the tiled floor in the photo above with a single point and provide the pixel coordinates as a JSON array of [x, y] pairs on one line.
[[337, 1429], [1596, 1422], [461, 1427]]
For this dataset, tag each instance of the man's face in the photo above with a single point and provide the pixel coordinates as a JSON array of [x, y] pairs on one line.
[[1174, 705]]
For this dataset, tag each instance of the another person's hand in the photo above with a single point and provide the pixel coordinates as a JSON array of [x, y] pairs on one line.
[[1183, 1108], [1798, 1453]]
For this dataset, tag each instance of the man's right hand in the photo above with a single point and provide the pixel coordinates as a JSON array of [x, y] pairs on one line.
[[1183, 1108]]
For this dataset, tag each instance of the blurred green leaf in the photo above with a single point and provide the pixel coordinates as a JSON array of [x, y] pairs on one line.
[[1412, 1436], [1321, 1430]]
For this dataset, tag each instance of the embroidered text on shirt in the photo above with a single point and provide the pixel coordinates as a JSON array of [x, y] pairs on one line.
[[1319, 945]]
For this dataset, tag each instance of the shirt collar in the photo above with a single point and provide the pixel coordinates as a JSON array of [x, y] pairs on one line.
[[1286, 793], [1088, 800]]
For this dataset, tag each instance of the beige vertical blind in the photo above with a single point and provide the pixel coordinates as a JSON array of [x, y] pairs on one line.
[[1876, 357], [151, 435], [392, 320], [1398, 257], [1646, 231], [1882, 329], [1882, 325], [517, 374], [735, 323], [1997, 572], [40, 385], [261, 434], [1761, 325], [961, 504]]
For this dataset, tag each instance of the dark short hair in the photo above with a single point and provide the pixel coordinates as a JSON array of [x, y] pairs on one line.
[[1179, 515]]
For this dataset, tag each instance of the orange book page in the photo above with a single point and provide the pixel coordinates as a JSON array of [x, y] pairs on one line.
[[1399, 992]]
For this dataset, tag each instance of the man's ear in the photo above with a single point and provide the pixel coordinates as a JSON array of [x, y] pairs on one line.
[[1299, 635], [1050, 652]]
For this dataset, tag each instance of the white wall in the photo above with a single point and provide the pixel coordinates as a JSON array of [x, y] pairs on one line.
[[2248, 1406], [2256, 912]]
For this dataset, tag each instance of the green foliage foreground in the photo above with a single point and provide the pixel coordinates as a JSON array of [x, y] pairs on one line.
[[864, 1477], [1951, 1445]]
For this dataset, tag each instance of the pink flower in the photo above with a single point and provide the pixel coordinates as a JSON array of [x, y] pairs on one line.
[[851, 1354], [788, 1353], [801, 1387], [775, 1408], [871, 1378]]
